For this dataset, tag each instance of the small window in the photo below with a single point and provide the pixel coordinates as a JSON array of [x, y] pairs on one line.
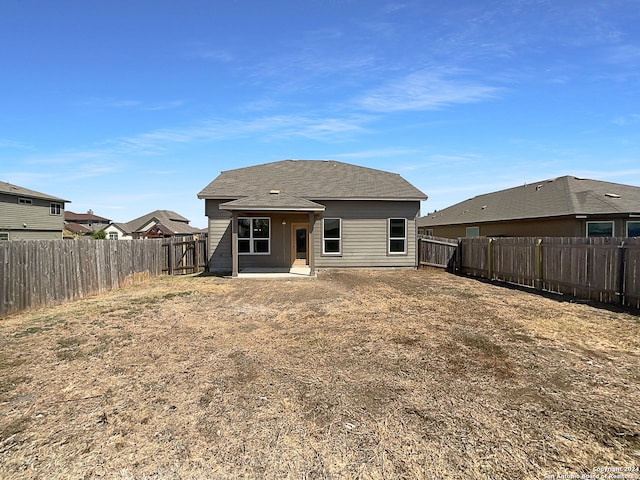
[[472, 232], [332, 236], [4, 236], [25, 201], [254, 236], [633, 229], [113, 235], [397, 236], [56, 208], [429, 232], [599, 229]]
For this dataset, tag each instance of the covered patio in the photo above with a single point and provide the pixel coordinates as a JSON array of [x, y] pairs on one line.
[[272, 234]]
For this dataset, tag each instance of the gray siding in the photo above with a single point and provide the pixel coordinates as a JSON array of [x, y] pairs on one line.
[[34, 235], [220, 244], [365, 234], [219, 237], [40, 224]]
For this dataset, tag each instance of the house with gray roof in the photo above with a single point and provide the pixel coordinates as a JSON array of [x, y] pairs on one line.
[[30, 215], [83, 224], [156, 224], [561, 207], [310, 214]]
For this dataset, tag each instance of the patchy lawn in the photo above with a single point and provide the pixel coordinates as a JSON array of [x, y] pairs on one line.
[[356, 374]]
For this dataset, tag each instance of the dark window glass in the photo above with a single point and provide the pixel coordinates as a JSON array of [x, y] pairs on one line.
[[396, 246], [260, 228], [244, 228], [331, 235], [261, 246], [633, 229], [600, 229], [332, 246], [244, 246], [396, 227]]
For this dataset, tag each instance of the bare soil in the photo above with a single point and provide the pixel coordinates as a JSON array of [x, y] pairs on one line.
[[355, 374]]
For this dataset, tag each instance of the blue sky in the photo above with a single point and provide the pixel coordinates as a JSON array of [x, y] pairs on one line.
[[125, 107]]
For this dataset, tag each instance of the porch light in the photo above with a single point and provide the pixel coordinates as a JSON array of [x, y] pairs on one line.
[[284, 222]]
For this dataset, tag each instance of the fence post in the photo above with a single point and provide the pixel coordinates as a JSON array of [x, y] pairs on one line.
[[458, 269], [490, 259], [539, 278], [170, 256], [196, 260], [621, 271]]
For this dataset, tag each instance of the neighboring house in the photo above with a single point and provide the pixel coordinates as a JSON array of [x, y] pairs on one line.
[[318, 213], [118, 231], [562, 207], [75, 230], [29, 215], [157, 224], [83, 224]]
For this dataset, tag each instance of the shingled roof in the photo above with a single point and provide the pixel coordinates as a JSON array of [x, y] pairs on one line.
[[171, 220], [273, 200], [312, 180], [557, 197], [79, 217], [8, 188]]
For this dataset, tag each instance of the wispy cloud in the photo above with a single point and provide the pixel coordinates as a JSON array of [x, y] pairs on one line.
[[277, 126], [625, 120], [131, 104], [6, 143], [203, 51], [426, 90]]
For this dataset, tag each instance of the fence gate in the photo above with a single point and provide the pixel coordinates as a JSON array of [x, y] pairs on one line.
[[184, 255], [438, 252]]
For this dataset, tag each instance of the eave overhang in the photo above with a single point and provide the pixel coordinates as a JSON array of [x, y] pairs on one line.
[[275, 201]]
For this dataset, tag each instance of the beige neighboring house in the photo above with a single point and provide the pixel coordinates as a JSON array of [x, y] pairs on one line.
[[29, 215], [312, 214], [561, 207], [157, 224]]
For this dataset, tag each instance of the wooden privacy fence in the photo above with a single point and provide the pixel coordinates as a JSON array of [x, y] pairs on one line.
[[185, 255], [38, 273], [438, 252], [601, 269]]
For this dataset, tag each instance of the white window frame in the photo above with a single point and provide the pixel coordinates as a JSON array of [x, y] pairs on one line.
[[333, 239], [55, 208], [25, 201], [113, 236], [251, 237], [631, 221], [390, 238], [472, 232], [611, 222], [4, 236]]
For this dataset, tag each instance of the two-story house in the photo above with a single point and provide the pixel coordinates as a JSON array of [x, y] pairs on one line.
[[29, 215]]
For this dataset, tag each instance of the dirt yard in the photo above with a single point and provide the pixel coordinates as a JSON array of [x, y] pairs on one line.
[[356, 374]]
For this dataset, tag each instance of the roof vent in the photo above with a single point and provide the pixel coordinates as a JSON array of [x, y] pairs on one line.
[[483, 207], [612, 195], [538, 187], [274, 192]]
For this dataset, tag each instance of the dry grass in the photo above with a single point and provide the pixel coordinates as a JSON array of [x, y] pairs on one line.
[[358, 374]]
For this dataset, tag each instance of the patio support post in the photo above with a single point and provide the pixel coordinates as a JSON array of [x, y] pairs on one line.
[[234, 244], [312, 257]]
